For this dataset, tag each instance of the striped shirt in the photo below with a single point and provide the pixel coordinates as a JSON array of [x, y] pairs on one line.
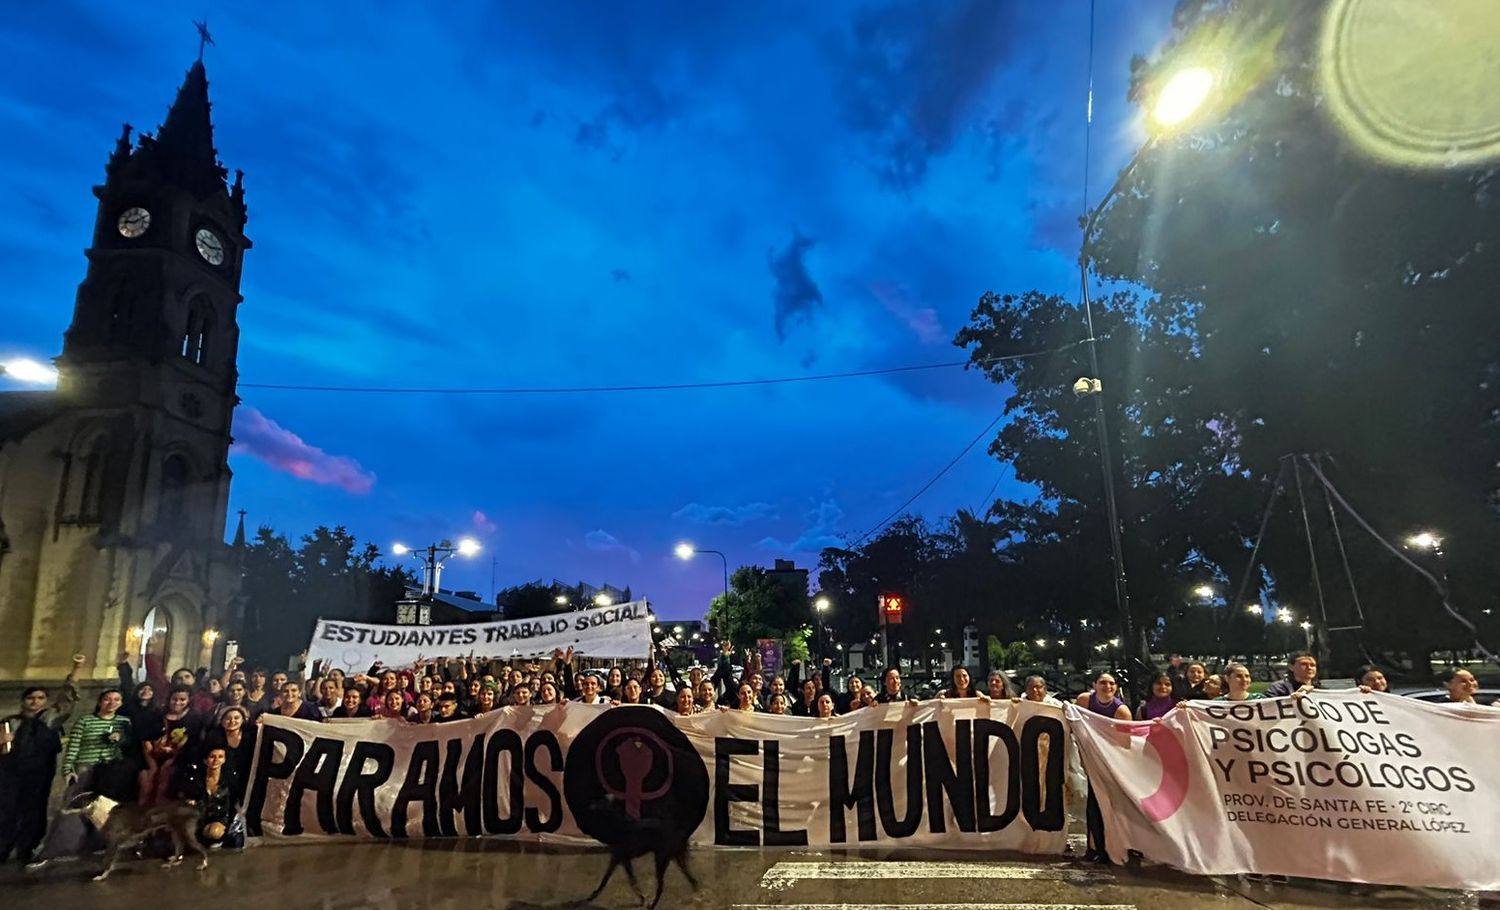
[[89, 742]]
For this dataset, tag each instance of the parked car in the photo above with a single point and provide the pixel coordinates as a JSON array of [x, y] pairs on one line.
[[1485, 696]]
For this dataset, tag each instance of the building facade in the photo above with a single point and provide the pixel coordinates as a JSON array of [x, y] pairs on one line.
[[114, 488]]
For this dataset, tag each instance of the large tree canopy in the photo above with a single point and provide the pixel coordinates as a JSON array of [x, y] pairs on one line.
[[1292, 295]]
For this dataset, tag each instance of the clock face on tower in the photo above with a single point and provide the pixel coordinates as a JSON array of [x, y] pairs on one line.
[[133, 222], [210, 247]]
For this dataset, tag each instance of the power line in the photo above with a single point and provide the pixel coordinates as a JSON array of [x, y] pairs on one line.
[[928, 485], [655, 387]]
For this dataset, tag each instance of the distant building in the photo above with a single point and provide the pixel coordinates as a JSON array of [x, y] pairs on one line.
[[445, 608], [114, 489], [785, 572], [584, 595]]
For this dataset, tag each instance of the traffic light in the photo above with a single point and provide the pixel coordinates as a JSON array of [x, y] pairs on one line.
[[891, 608]]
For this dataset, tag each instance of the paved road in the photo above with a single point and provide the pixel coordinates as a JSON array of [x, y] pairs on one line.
[[480, 875]]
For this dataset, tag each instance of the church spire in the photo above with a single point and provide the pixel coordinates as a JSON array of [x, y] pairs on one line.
[[239, 535], [186, 138]]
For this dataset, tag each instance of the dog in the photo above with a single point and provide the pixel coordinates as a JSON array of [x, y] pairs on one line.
[[126, 825], [665, 839]]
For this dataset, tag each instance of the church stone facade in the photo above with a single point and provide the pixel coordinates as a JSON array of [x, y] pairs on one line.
[[114, 487]]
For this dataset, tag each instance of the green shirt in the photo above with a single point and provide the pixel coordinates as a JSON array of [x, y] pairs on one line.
[[89, 743]]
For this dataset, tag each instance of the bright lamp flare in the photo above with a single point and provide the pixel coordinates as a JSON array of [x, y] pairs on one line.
[[604, 600], [400, 549], [684, 551], [1412, 84], [1182, 96], [822, 603], [1204, 591], [24, 369], [1424, 541], [468, 546]]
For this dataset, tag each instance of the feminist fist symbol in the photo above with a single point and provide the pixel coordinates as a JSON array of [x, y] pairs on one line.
[[635, 760]]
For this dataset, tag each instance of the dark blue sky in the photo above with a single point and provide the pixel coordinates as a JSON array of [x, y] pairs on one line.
[[601, 193]]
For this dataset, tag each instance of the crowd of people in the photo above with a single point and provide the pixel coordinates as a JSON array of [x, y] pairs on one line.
[[191, 736]]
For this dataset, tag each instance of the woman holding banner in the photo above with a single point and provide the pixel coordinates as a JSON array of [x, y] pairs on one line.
[[1104, 700]]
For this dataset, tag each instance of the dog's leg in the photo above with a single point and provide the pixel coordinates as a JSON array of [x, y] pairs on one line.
[[681, 858], [662, 859], [613, 862], [113, 859], [634, 885], [191, 836], [176, 857]]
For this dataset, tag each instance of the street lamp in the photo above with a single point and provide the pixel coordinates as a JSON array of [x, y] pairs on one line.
[[603, 600], [1204, 591], [1180, 97], [433, 558], [31, 372], [1284, 615], [561, 600], [1425, 540], [686, 551], [820, 606], [1255, 609]]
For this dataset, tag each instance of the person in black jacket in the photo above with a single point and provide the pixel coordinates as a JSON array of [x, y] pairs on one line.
[[29, 743], [1303, 678]]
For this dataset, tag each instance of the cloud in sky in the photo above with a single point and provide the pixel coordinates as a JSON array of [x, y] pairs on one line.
[[725, 515], [506, 195], [820, 530], [796, 295], [482, 523], [605, 542], [257, 435]]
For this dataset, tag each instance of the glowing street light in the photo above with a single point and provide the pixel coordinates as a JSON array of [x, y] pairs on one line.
[[433, 558], [1182, 96], [1041, 642], [1284, 615], [1255, 609], [822, 604], [1204, 591], [561, 600], [603, 600], [1305, 625], [1424, 540], [686, 551], [31, 372]]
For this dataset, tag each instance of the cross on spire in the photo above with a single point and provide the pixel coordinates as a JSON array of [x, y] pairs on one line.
[[204, 37]]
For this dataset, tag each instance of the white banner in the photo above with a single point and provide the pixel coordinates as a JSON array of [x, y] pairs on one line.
[[956, 774], [1338, 785], [622, 630]]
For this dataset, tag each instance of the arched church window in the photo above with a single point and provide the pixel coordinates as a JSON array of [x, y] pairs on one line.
[[176, 485], [91, 489]]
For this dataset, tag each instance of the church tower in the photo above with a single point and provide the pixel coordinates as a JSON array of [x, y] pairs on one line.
[[114, 489]]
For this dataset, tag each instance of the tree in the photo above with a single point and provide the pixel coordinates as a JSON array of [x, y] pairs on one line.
[[1291, 295], [759, 606], [330, 575]]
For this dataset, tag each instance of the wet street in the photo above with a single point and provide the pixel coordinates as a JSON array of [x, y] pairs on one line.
[[471, 875]]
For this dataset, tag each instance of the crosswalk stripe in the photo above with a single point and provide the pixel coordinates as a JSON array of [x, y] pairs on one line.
[[785, 874], [967, 906]]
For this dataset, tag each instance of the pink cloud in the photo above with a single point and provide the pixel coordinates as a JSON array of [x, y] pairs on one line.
[[922, 320], [482, 523], [259, 436]]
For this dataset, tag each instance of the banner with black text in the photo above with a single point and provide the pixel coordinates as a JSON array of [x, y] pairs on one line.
[[618, 631], [1337, 785], [956, 774]]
